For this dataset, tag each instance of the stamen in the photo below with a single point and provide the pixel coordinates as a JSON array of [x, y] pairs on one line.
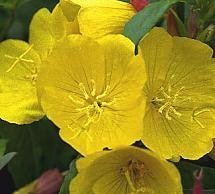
[[198, 113], [164, 93], [82, 88], [20, 58], [76, 100], [168, 102], [128, 178], [93, 93], [104, 93], [175, 111], [160, 110], [167, 115]]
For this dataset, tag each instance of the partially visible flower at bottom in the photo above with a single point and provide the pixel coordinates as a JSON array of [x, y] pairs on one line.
[[126, 170]]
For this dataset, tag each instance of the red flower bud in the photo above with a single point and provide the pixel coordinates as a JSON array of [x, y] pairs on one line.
[[197, 187], [139, 4], [49, 182]]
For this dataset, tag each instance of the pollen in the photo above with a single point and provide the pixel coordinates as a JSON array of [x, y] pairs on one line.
[[165, 102]]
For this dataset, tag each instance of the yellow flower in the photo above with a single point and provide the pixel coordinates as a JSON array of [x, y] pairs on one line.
[[179, 117], [92, 92], [20, 62], [97, 18], [126, 170]]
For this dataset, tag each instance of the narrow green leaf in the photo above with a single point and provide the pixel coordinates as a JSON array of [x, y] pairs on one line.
[[146, 19], [3, 143], [69, 176], [180, 25], [6, 158]]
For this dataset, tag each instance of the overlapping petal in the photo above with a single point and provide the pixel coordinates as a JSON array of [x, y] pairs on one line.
[[97, 18], [180, 112], [125, 170], [46, 28], [93, 92]]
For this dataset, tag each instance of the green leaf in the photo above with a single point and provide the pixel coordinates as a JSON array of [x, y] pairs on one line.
[[6, 158], [146, 19], [186, 170], [39, 148], [12, 4], [69, 176], [3, 143], [127, 1]]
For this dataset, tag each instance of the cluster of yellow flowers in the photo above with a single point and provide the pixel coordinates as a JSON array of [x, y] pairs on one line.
[[84, 76]]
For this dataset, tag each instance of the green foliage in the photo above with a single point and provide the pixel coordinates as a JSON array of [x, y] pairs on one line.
[[15, 16], [4, 159], [3, 143], [11, 4], [69, 176], [39, 148], [146, 19]]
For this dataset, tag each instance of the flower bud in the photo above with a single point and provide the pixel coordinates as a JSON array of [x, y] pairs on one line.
[[139, 4], [197, 187], [49, 182]]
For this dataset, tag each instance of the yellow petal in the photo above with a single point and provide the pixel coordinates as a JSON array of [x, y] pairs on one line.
[[99, 18], [106, 174], [40, 34], [18, 72], [180, 109], [86, 93], [46, 28], [70, 9]]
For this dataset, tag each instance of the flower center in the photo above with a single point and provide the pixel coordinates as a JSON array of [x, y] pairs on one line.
[[91, 105], [134, 172], [165, 102]]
